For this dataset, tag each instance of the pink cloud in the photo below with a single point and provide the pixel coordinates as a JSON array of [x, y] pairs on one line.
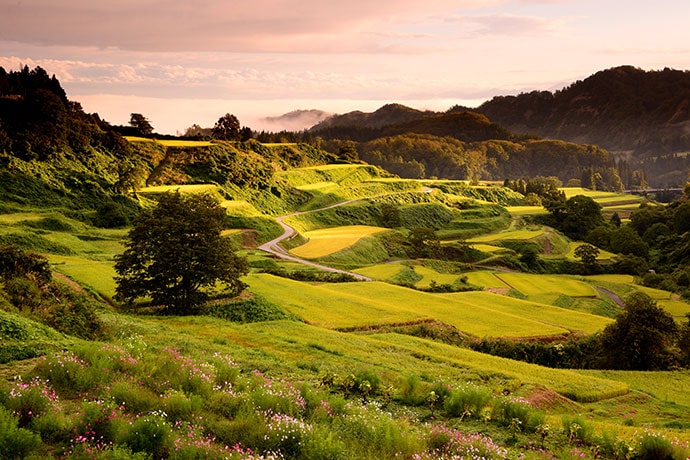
[[213, 25]]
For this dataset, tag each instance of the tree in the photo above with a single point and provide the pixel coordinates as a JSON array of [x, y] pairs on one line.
[[641, 337], [227, 128], [579, 216], [140, 123], [423, 242], [175, 252], [588, 254]]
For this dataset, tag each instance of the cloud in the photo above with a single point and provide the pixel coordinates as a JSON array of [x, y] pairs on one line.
[[214, 25], [506, 25]]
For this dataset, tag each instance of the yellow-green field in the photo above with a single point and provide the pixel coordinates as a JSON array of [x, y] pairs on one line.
[[677, 308], [326, 241], [191, 188], [428, 276], [380, 272], [97, 275], [240, 208], [523, 234], [489, 248], [485, 279], [526, 210], [362, 305], [170, 142], [573, 245], [529, 284]]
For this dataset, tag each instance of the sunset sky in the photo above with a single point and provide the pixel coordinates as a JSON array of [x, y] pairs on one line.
[[181, 62]]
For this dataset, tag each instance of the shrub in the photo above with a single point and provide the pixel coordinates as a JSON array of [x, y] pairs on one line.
[[29, 400], [100, 422], [251, 310], [178, 406], [467, 401], [133, 397], [15, 442], [322, 444], [68, 373], [150, 434], [411, 391], [654, 447], [507, 411]]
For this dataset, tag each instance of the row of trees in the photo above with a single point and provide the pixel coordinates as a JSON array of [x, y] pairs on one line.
[[643, 337]]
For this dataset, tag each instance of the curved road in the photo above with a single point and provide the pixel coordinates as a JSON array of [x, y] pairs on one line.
[[273, 247]]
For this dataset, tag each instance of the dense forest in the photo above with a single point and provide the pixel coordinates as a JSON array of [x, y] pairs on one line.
[[639, 116]]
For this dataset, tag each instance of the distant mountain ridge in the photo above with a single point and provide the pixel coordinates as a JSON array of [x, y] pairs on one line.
[[622, 109], [625, 110]]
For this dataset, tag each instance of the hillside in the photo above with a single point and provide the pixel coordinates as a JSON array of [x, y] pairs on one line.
[[641, 117], [636, 114], [390, 318]]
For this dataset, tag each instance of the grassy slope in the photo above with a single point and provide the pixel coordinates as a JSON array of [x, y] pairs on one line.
[[362, 305], [302, 351]]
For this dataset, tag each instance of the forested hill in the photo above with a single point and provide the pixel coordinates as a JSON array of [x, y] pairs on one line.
[[622, 109], [395, 119]]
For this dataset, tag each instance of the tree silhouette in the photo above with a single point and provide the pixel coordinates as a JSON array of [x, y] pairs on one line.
[[227, 128], [175, 253], [141, 124]]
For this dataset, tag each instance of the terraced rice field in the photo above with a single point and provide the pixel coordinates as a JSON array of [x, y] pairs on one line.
[[529, 284], [327, 241], [508, 235], [365, 305]]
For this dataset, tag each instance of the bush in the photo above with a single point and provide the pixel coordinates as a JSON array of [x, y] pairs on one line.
[[654, 447], [252, 310], [29, 400], [150, 434], [111, 215], [468, 401], [133, 397], [15, 442]]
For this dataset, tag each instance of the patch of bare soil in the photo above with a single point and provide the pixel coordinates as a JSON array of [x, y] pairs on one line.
[[546, 399]]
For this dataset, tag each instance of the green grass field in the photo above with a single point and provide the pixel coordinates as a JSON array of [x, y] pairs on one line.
[[98, 276], [485, 279], [517, 211], [240, 208], [191, 188], [573, 245]]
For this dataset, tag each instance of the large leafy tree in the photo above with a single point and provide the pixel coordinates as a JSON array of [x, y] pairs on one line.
[[642, 336], [175, 253], [227, 128]]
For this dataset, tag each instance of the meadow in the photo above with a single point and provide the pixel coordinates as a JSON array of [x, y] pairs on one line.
[[342, 370]]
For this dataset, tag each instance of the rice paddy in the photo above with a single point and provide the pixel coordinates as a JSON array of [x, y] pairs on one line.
[[327, 241], [365, 305]]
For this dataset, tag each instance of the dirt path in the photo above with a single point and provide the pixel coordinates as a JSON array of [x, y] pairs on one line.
[[611, 296]]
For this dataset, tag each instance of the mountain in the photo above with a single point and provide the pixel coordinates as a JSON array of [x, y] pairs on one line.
[[389, 114], [625, 110]]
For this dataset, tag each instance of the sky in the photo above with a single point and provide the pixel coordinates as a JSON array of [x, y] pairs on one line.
[[183, 62]]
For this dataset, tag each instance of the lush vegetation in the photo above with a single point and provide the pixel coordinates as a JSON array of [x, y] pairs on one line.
[[306, 362]]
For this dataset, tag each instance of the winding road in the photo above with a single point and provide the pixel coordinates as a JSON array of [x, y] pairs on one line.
[[273, 246]]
